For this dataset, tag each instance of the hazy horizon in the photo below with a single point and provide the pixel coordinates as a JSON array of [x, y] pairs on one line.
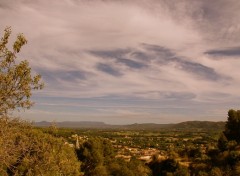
[[124, 62], [117, 124]]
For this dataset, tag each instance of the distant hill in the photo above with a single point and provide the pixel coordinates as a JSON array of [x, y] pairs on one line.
[[102, 125], [205, 125], [73, 124], [144, 126], [201, 125]]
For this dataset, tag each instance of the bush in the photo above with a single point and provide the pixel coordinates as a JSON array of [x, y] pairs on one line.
[[28, 151]]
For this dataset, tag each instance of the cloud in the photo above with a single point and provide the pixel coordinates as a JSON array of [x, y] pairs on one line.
[[162, 55], [229, 52], [116, 53], [131, 63], [179, 95], [200, 71], [167, 56], [161, 51], [133, 52], [53, 79], [108, 69], [217, 27], [120, 56]]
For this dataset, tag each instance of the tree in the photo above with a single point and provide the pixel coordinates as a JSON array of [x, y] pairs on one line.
[[164, 167], [222, 142], [98, 158], [216, 172], [94, 153], [226, 158], [232, 128], [25, 150], [28, 151], [16, 80]]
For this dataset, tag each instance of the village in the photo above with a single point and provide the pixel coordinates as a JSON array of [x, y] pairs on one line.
[[161, 146]]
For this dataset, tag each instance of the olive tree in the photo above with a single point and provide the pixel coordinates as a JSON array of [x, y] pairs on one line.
[[16, 80]]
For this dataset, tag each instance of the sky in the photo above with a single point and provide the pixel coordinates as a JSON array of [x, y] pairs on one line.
[[129, 61]]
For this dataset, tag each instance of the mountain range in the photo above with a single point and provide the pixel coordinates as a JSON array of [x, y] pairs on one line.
[[203, 125]]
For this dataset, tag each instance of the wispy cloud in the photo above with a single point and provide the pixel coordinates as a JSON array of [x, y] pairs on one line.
[[142, 54], [108, 69], [231, 52]]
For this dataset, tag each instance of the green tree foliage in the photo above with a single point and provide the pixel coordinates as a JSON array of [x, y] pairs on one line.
[[222, 142], [199, 168], [167, 167], [94, 153], [232, 128], [216, 172], [25, 150], [132, 168], [28, 151], [98, 158], [16, 81], [225, 159], [182, 171]]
